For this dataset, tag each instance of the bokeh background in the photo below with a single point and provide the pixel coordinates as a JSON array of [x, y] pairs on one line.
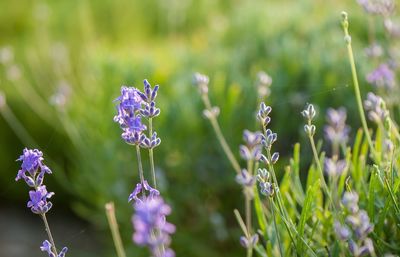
[[62, 65]]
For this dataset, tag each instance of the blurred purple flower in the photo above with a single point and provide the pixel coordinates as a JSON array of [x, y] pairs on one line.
[[378, 7], [151, 228], [334, 167], [381, 77], [245, 179], [376, 108], [337, 132]]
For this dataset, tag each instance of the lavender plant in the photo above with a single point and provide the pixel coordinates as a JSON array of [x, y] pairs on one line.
[[32, 172], [149, 220]]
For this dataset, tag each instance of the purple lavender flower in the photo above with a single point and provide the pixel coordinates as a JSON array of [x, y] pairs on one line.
[[357, 227], [350, 201], [381, 77], [38, 200], [249, 242], [377, 7], [139, 189], [148, 98], [47, 247], [32, 168], [245, 179], [337, 132], [376, 108], [129, 117], [334, 167], [151, 228], [252, 149], [342, 231]]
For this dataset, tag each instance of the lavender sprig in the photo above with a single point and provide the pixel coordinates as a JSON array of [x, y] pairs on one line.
[[32, 172]]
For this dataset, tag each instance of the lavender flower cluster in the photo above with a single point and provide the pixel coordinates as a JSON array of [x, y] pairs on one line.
[[32, 172], [133, 106], [149, 220], [357, 227]]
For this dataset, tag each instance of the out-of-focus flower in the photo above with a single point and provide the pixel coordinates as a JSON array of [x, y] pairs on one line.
[[151, 228], [357, 227], [334, 167], [337, 132], [245, 179], [378, 7], [6, 55], [252, 149], [264, 82], [374, 50], [376, 108], [382, 77], [61, 95], [201, 82], [249, 242]]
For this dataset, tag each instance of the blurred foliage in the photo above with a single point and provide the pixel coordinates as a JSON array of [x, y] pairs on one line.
[[90, 48]]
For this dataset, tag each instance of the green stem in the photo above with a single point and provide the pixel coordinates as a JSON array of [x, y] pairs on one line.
[[139, 159], [46, 224], [321, 173], [112, 222], [345, 25], [276, 228], [220, 136], [153, 174]]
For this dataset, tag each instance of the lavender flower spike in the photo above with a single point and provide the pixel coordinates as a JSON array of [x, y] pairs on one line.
[[32, 167], [337, 132], [151, 228], [129, 116]]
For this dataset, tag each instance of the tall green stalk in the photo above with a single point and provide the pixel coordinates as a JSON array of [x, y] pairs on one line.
[[220, 136], [347, 37], [112, 222], [153, 174]]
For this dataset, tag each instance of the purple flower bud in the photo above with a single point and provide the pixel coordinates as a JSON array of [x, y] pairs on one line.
[[275, 157], [38, 200], [249, 242]]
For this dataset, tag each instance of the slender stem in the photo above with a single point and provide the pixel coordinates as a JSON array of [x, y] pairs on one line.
[[281, 206], [345, 24], [276, 228], [316, 159], [248, 211], [220, 136], [112, 222], [46, 224], [139, 159], [153, 174]]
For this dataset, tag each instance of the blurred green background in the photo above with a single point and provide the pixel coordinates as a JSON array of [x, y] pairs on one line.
[[62, 65]]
